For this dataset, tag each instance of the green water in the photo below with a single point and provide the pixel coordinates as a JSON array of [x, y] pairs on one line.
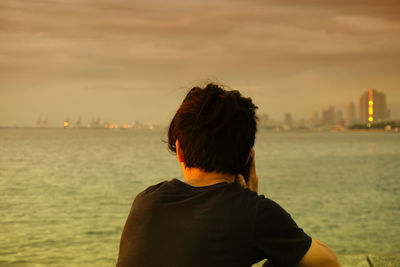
[[65, 194]]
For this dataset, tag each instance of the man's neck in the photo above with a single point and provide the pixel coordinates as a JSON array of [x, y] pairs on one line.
[[198, 177]]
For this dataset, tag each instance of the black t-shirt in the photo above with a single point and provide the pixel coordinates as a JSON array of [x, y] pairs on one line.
[[175, 224]]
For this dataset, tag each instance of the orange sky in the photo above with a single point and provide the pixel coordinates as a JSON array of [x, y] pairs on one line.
[[134, 60]]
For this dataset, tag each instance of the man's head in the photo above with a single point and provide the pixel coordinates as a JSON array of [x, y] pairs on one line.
[[215, 128]]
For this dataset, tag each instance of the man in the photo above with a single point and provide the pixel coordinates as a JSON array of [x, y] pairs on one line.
[[215, 218]]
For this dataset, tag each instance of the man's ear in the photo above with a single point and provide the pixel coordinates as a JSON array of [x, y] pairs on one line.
[[179, 151]]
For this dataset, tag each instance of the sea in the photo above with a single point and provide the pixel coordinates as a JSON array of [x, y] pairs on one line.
[[65, 193]]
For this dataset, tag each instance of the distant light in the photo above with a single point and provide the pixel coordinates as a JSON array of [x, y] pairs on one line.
[[370, 103], [370, 111], [66, 123], [370, 119]]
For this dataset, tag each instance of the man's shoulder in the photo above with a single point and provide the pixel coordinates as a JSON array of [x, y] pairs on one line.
[[166, 187], [252, 195], [152, 189], [175, 189]]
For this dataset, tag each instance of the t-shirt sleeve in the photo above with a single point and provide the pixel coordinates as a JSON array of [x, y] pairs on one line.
[[277, 236]]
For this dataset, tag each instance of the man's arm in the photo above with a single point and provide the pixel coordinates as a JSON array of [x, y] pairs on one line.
[[318, 255]]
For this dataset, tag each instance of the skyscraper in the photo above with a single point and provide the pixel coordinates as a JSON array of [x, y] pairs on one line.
[[373, 107], [328, 116], [351, 114], [288, 121], [339, 118]]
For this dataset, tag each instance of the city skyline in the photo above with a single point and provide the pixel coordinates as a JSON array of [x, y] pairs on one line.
[[126, 61], [329, 116]]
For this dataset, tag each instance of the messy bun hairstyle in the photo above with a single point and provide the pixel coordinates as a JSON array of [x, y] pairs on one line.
[[216, 129]]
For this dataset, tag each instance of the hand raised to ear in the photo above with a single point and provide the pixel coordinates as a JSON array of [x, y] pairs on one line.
[[252, 184]]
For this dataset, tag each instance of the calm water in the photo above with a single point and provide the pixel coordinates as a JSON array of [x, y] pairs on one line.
[[65, 194]]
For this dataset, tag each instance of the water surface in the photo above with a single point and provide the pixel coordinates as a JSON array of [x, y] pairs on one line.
[[65, 194]]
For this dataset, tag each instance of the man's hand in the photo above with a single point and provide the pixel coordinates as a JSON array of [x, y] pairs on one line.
[[252, 184]]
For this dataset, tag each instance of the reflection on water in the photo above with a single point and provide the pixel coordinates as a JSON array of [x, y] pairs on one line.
[[65, 194]]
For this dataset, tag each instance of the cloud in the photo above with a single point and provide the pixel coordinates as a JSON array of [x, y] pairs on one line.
[[274, 46]]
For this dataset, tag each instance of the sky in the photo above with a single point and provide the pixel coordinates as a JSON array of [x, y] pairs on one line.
[[126, 61]]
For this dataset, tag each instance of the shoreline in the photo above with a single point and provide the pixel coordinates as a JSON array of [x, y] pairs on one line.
[[396, 130]]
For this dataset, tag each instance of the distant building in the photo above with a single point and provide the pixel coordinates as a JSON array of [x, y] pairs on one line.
[[328, 116], [96, 123], [42, 123], [351, 114], [339, 118], [263, 120], [301, 123], [314, 120], [314, 116], [373, 107], [288, 120], [78, 123]]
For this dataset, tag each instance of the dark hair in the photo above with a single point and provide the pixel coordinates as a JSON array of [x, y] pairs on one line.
[[216, 129]]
